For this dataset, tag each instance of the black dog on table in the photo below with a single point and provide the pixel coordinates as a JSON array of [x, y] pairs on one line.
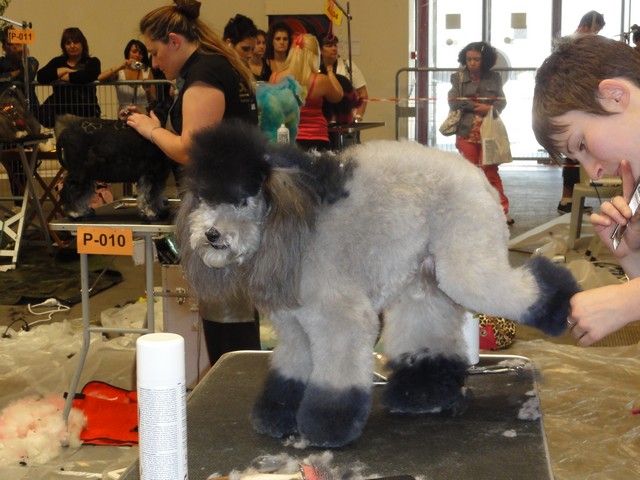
[[94, 149]]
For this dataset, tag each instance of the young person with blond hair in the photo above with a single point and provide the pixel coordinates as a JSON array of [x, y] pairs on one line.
[[303, 63]]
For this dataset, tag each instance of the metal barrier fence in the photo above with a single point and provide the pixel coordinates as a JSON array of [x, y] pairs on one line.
[[100, 99], [422, 105]]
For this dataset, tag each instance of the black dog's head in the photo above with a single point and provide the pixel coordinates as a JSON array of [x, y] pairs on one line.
[[227, 163]]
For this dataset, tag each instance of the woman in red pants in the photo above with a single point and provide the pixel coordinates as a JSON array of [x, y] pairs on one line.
[[475, 88]]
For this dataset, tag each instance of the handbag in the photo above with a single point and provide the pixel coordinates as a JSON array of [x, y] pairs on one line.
[[450, 124], [495, 141]]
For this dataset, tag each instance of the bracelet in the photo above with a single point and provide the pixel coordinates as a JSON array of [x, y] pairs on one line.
[[151, 134]]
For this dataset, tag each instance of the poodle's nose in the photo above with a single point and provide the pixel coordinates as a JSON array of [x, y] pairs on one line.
[[213, 235]]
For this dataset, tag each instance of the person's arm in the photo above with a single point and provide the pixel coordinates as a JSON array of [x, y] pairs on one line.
[[112, 74], [359, 84], [49, 73], [202, 106], [456, 94], [501, 101], [601, 311], [330, 86], [32, 68], [6, 71], [363, 94], [87, 74]]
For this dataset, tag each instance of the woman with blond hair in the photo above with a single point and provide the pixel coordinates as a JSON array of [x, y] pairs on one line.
[[302, 64], [214, 83]]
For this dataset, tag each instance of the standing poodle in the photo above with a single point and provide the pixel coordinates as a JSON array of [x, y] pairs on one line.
[[325, 243], [95, 149]]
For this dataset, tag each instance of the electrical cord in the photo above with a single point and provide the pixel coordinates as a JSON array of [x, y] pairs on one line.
[[49, 302], [25, 327]]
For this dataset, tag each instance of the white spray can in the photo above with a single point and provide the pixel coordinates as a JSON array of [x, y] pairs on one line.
[[162, 407], [472, 337], [283, 134]]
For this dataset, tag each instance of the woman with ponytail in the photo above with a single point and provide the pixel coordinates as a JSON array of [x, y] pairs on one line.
[[213, 82]]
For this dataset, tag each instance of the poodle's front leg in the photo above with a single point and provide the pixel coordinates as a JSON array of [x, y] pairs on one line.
[[76, 195], [274, 412], [151, 205], [337, 400], [427, 352]]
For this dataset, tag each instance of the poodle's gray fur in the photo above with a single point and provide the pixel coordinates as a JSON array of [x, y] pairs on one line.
[[414, 233]]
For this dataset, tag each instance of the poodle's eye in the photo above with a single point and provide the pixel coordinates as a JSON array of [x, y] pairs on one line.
[[244, 202]]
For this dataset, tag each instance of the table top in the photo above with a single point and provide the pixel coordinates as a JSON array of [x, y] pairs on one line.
[[486, 442], [354, 127], [28, 140], [122, 213]]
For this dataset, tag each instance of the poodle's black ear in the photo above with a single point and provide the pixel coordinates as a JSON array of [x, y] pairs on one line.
[[227, 162]]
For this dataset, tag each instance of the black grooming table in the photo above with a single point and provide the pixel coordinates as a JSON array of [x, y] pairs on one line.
[[488, 441]]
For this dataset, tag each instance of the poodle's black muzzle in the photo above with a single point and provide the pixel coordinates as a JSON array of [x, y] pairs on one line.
[[214, 237]]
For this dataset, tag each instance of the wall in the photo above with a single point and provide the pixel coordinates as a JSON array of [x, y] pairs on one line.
[[379, 32]]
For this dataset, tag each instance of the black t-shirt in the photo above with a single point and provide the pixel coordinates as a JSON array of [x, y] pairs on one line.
[[215, 70]]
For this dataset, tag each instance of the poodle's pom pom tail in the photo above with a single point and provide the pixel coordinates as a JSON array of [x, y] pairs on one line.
[[557, 286], [227, 163]]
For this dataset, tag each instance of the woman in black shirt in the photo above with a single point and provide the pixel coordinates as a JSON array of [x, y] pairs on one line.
[[72, 75]]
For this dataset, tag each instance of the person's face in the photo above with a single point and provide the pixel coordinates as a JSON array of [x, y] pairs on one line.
[[245, 48], [329, 53], [13, 50], [163, 57], [281, 41], [474, 61], [135, 54], [261, 46], [599, 142], [73, 48]]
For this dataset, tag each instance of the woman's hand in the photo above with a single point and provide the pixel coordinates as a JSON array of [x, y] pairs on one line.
[[481, 109], [63, 73], [124, 113], [143, 124]]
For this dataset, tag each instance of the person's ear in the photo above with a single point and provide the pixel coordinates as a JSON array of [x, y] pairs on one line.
[[174, 40], [614, 95]]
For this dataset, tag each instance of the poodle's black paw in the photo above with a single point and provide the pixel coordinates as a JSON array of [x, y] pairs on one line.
[[274, 413], [557, 285], [152, 216], [423, 384], [332, 418]]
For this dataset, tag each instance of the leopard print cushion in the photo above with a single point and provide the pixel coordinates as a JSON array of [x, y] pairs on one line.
[[496, 333]]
